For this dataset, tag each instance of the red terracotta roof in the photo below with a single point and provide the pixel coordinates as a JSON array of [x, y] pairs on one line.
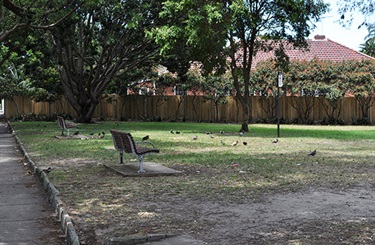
[[320, 48]]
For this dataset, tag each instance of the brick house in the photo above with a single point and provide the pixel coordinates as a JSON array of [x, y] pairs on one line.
[[320, 48]]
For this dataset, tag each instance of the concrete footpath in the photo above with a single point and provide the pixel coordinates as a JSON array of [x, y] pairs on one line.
[[25, 215]]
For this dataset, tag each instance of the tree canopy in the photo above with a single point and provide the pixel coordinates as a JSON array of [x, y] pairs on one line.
[[236, 29], [18, 18]]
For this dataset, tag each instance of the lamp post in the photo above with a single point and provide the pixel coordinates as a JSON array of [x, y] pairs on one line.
[[279, 85]]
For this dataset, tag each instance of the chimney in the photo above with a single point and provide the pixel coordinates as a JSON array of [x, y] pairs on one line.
[[319, 37]]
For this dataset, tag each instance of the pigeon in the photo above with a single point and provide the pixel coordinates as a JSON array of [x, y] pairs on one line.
[[195, 137], [221, 132], [145, 138], [76, 133], [241, 133], [212, 136], [235, 143], [275, 140], [47, 170], [313, 153], [244, 143], [172, 132], [208, 132], [177, 132]]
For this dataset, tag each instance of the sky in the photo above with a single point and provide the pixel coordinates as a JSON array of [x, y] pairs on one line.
[[350, 37]]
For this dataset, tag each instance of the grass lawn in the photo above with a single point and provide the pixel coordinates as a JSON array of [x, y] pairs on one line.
[[213, 169]]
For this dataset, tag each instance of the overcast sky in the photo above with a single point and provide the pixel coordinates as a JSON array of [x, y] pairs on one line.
[[330, 27]]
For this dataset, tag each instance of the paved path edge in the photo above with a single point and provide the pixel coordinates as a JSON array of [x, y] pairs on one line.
[[53, 196]]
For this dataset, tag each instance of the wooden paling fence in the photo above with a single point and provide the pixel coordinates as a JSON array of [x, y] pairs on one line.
[[197, 108]]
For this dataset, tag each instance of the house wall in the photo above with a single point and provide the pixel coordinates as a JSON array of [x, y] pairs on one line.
[[192, 108]]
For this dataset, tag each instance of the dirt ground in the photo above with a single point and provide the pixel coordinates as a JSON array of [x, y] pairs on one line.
[[316, 216]]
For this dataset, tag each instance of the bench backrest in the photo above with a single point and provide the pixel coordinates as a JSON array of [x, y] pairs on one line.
[[123, 141], [61, 122]]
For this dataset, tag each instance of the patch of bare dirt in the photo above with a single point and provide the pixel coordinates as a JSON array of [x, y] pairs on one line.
[[316, 216]]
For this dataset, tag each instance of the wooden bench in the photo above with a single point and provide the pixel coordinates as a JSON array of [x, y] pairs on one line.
[[124, 142], [65, 125]]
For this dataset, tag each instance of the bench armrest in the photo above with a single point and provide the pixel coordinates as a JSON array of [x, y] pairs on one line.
[[145, 142]]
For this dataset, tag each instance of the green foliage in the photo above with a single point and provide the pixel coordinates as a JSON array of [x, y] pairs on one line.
[[19, 19], [263, 79], [323, 79], [361, 82], [215, 30], [12, 81], [42, 70]]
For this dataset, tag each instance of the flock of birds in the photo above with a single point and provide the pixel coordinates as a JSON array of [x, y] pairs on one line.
[[195, 137], [235, 143], [92, 134]]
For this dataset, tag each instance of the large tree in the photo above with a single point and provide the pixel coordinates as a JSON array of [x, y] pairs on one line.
[[219, 30], [101, 42]]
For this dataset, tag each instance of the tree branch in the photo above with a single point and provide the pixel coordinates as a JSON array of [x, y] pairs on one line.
[[6, 34], [14, 9]]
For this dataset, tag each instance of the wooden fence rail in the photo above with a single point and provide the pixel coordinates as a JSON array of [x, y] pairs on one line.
[[137, 107]]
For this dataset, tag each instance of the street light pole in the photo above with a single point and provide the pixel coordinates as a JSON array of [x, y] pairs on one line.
[[279, 85]]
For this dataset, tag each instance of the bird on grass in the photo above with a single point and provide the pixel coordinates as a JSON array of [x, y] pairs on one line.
[[244, 143], [241, 133], [235, 143], [222, 132], [145, 138], [275, 140], [212, 136], [47, 170], [177, 132], [172, 132], [313, 153], [195, 137]]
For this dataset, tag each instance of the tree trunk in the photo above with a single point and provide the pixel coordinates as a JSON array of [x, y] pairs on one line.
[[83, 106], [246, 115]]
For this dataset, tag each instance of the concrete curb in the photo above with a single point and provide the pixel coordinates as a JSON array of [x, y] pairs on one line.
[[53, 196]]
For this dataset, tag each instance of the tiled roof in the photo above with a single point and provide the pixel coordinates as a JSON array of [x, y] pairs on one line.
[[320, 48]]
